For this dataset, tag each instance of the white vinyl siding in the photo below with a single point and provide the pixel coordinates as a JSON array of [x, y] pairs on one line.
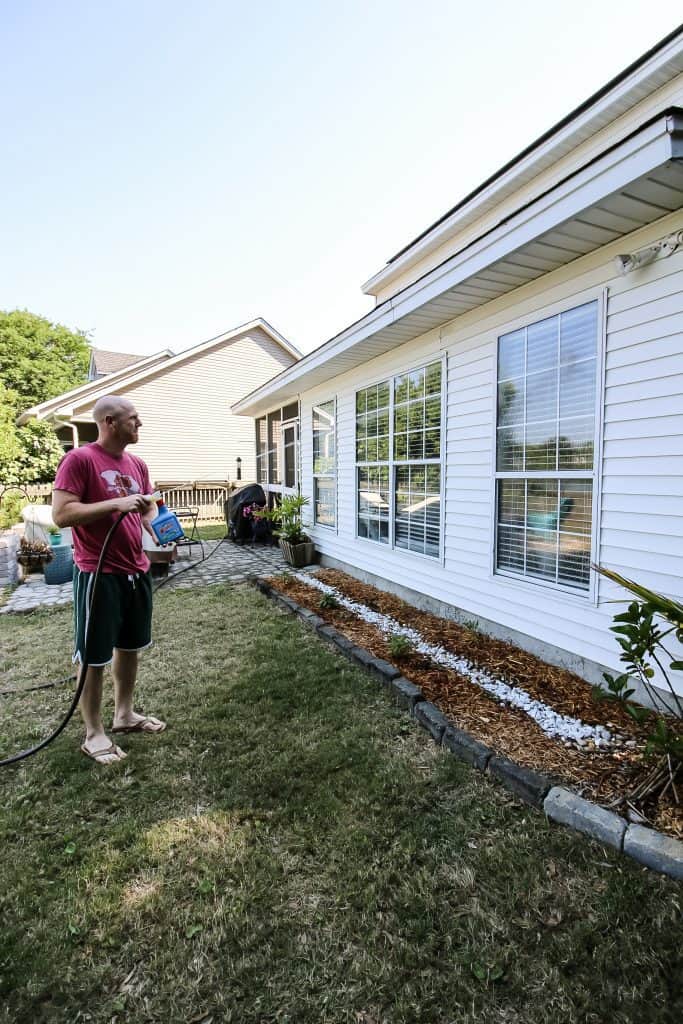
[[638, 500], [188, 431]]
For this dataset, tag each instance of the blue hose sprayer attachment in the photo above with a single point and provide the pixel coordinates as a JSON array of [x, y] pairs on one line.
[[166, 526]]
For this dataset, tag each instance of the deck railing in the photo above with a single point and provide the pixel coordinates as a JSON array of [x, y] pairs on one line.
[[206, 495]]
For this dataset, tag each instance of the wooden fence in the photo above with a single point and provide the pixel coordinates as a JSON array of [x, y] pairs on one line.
[[206, 495], [40, 493]]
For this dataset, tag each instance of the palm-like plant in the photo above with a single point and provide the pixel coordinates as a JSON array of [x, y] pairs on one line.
[[641, 638]]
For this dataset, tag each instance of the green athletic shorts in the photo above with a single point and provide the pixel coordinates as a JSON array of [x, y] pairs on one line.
[[121, 614]]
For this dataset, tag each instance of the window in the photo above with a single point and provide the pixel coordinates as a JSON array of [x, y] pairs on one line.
[[547, 376], [324, 464], [398, 461], [290, 439], [261, 451], [277, 448], [274, 455]]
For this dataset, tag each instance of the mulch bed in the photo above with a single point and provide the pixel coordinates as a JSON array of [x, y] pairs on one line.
[[605, 776]]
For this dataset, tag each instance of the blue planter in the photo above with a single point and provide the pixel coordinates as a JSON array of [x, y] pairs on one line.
[[60, 569]]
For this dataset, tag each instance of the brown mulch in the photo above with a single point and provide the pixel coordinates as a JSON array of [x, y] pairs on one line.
[[605, 776]]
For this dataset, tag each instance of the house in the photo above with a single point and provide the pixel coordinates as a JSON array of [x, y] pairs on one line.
[[103, 362], [74, 428], [511, 410], [189, 432]]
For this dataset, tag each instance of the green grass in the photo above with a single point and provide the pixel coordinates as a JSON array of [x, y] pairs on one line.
[[212, 531], [294, 849]]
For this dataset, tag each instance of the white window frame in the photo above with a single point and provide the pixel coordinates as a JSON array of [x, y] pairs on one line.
[[437, 357], [268, 486], [528, 583], [286, 425], [326, 476]]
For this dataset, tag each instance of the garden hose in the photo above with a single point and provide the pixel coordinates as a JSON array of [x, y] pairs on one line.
[[15, 758]]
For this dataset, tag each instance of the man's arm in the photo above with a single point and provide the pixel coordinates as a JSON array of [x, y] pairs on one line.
[[69, 510]]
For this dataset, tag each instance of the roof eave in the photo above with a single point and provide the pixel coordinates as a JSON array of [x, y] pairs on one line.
[[583, 121], [420, 306]]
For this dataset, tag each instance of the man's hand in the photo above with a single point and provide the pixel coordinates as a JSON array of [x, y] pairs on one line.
[[141, 503], [69, 510]]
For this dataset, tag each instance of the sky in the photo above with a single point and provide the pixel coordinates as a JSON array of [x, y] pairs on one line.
[[174, 169]]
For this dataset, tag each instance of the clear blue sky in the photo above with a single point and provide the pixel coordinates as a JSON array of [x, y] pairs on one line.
[[173, 169]]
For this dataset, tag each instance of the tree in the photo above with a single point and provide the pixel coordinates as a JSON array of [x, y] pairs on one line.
[[37, 452], [9, 446], [39, 359]]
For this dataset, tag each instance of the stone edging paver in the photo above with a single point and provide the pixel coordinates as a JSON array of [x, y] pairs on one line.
[[646, 845]]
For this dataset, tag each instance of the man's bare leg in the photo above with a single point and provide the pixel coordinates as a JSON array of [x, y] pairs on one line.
[[91, 710], [125, 669]]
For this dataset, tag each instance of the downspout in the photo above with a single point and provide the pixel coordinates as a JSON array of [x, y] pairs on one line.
[[62, 421]]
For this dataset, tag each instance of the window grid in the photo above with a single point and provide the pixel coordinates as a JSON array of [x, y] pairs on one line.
[[261, 451], [277, 456], [544, 504], [373, 503], [401, 510], [324, 463]]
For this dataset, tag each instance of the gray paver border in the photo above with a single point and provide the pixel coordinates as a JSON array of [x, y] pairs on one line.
[[649, 847]]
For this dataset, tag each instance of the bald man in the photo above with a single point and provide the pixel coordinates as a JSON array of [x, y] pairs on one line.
[[94, 484]]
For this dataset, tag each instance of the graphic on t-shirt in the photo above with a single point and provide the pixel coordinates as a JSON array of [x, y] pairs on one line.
[[120, 483]]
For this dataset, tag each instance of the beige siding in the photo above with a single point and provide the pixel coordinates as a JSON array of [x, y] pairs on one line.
[[640, 522], [188, 431]]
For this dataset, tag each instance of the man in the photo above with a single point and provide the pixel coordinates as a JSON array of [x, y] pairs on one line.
[[94, 484]]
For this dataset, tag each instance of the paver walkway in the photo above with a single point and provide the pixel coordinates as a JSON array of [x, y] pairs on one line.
[[224, 562]]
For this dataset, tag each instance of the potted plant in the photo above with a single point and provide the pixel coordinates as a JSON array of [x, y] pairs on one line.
[[55, 535], [34, 555], [295, 544]]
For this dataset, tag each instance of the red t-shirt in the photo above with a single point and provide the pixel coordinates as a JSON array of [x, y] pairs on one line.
[[92, 474]]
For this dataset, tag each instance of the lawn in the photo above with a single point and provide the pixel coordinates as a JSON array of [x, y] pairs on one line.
[[294, 849], [211, 531]]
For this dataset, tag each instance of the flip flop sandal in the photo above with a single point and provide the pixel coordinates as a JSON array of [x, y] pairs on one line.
[[95, 755], [140, 726]]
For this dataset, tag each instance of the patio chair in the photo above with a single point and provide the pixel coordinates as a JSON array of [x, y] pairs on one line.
[[550, 520], [188, 516]]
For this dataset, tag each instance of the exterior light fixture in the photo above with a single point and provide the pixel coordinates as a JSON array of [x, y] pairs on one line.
[[239, 468], [626, 262]]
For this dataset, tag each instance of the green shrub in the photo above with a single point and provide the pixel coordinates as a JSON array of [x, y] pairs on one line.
[[11, 504], [400, 646]]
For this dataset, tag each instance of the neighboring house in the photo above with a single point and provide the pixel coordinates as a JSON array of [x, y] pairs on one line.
[[103, 362], [511, 411], [73, 427], [184, 403]]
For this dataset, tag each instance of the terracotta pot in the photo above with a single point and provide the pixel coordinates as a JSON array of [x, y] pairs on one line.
[[298, 555]]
